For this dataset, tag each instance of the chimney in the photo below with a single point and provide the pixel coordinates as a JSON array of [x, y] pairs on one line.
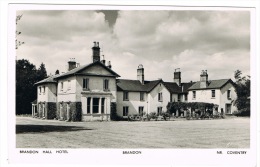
[[140, 74], [71, 64], [177, 76], [109, 64], [96, 52], [203, 79], [103, 61]]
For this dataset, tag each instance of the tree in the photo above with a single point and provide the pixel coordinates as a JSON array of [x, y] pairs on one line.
[[17, 42], [242, 88], [26, 92], [57, 72], [41, 73]]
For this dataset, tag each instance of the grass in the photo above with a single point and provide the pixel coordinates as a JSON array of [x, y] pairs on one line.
[[221, 133]]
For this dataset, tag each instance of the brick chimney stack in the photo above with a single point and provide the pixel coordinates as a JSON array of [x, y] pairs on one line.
[[96, 52], [140, 74], [177, 76], [203, 79], [71, 64]]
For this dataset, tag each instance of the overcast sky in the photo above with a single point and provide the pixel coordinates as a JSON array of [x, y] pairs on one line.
[[217, 41]]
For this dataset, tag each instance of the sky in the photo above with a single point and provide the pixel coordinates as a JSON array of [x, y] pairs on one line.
[[160, 40]]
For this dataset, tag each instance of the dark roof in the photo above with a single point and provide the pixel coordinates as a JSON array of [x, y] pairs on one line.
[[213, 84], [172, 87], [81, 68], [186, 86], [135, 85], [47, 80]]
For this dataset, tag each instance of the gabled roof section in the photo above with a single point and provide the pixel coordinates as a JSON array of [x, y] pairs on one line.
[[172, 87], [186, 86], [135, 85], [77, 70], [50, 79], [213, 84]]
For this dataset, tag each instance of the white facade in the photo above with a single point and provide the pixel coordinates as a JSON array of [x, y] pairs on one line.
[[47, 92], [133, 103], [153, 100], [220, 97]]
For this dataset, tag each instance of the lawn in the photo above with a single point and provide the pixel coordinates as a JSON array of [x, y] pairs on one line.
[[220, 133]]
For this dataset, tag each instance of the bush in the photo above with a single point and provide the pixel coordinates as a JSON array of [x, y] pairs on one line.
[[113, 113], [242, 113]]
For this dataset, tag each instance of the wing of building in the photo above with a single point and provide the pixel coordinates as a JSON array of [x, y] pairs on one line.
[[85, 93]]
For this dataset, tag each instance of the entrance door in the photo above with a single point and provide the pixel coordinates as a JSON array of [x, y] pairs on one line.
[[228, 108]]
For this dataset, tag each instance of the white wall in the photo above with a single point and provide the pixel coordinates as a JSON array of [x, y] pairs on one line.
[[224, 100], [205, 96], [49, 95], [133, 103], [220, 97], [95, 85], [153, 102], [67, 94]]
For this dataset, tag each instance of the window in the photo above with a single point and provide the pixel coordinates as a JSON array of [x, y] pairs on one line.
[[179, 97], [61, 86], [125, 96], [160, 97], [69, 85], [213, 95], [159, 110], [141, 96], [229, 94], [85, 83], [88, 105], [141, 110], [125, 111], [102, 105], [106, 84], [95, 105], [40, 90], [43, 89], [194, 94]]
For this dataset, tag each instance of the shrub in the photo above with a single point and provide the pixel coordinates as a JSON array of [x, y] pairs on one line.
[[113, 113], [242, 113]]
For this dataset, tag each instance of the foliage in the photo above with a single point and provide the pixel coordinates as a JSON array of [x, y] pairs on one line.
[[17, 42], [77, 113], [51, 108], [113, 113], [174, 106], [57, 72], [242, 88], [26, 92]]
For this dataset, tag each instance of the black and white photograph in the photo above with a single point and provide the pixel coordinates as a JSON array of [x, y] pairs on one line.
[[136, 82]]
